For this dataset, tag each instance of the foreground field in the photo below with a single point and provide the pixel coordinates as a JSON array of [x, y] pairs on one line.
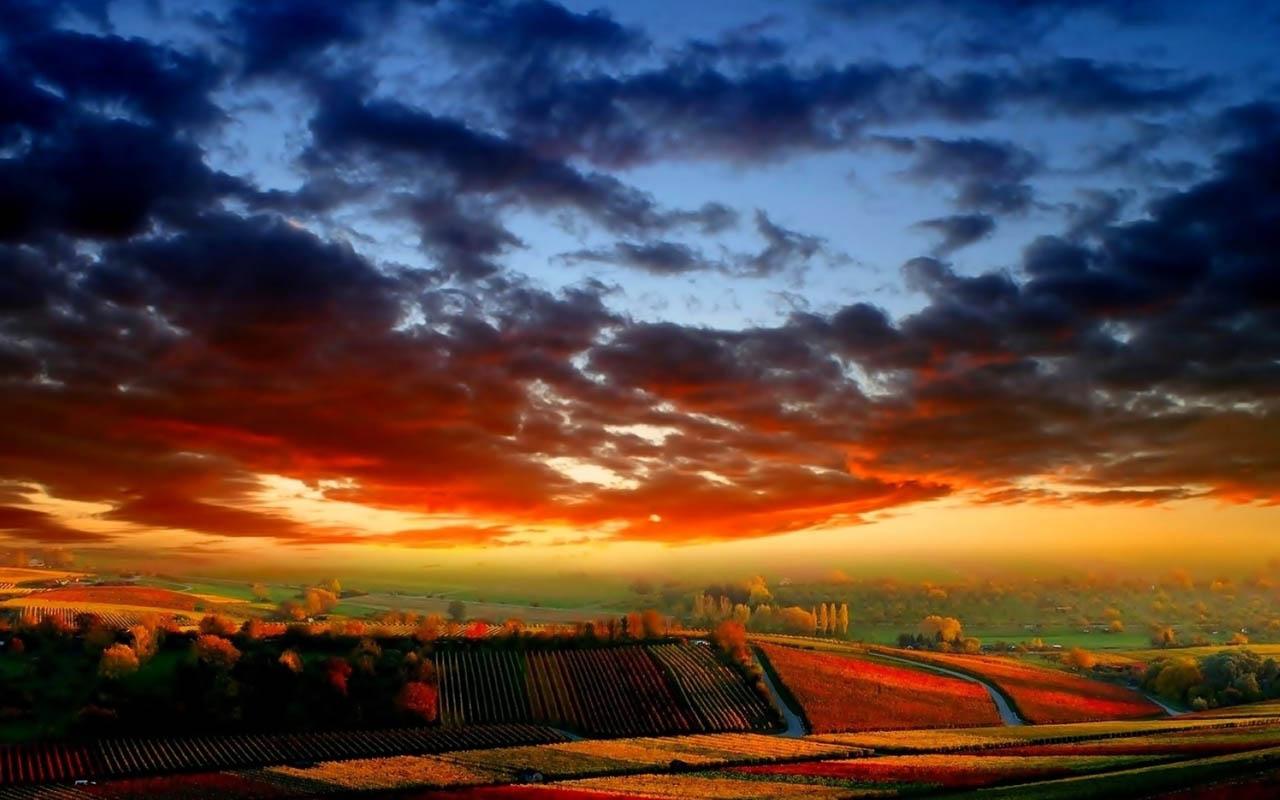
[[1043, 695], [1104, 760], [844, 692]]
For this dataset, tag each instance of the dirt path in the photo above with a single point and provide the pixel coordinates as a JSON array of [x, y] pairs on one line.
[[1007, 714], [795, 723], [1168, 709]]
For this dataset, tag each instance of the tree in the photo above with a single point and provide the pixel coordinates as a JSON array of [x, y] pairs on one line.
[[318, 600], [1079, 658], [429, 629], [337, 672], [144, 641], [797, 620], [843, 619], [1164, 636], [758, 591], [653, 624], [1173, 679], [823, 619], [457, 611], [1238, 638], [941, 629], [117, 661], [418, 699], [332, 585], [216, 652], [1116, 626], [291, 661], [731, 637], [218, 625], [260, 592]]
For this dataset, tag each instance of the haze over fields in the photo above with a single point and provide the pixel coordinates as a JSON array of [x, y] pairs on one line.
[[503, 290]]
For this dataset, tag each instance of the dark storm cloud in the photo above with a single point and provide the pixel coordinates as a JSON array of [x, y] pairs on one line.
[[694, 109], [988, 175], [783, 250], [353, 132], [657, 258], [99, 178], [958, 230], [534, 33], [160, 84], [981, 28]]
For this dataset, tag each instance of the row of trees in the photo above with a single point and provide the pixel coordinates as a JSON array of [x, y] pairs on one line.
[[756, 612]]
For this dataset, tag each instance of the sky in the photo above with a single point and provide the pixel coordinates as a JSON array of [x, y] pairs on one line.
[[392, 284]]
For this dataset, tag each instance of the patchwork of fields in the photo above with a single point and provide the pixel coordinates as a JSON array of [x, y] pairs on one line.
[[749, 766], [670, 718]]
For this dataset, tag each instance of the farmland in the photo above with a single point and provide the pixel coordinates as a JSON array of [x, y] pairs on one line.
[[115, 607], [629, 690], [843, 692], [476, 761], [104, 758], [1047, 696]]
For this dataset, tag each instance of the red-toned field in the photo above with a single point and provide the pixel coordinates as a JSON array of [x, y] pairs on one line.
[[122, 595], [847, 693], [514, 793], [1044, 695], [1193, 743], [219, 785], [951, 771]]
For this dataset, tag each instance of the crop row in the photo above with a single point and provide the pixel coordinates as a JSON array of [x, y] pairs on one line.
[[51, 763], [68, 616], [717, 693], [615, 691]]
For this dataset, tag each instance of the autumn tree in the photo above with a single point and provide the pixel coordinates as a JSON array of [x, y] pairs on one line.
[[418, 699], [429, 629], [332, 586], [117, 661], [842, 619], [1079, 658], [291, 661], [731, 637], [941, 629], [1164, 636], [260, 592], [337, 673], [823, 619], [653, 624], [218, 625], [318, 600], [216, 652], [797, 620], [143, 641]]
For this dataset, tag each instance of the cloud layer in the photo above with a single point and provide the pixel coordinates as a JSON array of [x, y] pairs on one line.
[[174, 328]]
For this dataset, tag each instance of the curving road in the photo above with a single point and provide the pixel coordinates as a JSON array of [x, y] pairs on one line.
[[1007, 713]]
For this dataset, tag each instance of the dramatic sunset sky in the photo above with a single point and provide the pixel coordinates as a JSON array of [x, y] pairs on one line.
[[397, 282]]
